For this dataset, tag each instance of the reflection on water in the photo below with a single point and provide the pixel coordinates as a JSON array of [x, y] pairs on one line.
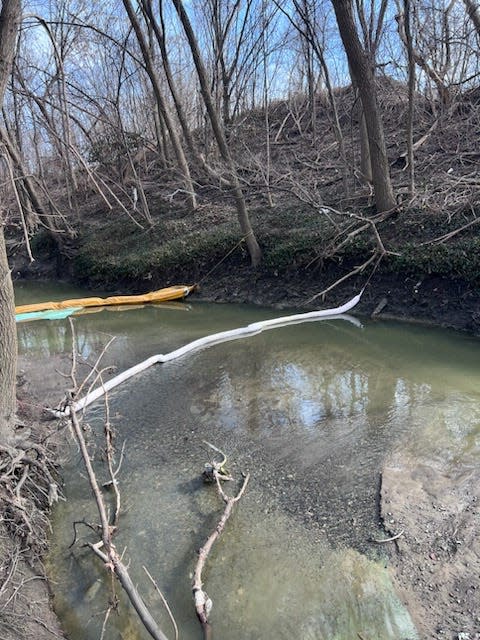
[[311, 411]]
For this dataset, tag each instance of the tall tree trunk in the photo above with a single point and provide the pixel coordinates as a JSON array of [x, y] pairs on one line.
[[159, 31], [215, 121], [265, 32], [8, 348], [411, 99], [362, 72], [9, 22], [162, 104], [473, 10]]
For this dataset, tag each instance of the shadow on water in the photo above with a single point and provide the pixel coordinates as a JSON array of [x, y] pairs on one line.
[[312, 411]]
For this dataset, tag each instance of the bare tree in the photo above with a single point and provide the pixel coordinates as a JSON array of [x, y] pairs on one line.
[[161, 102], [219, 133], [362, 73], [9, 23], [411, 97], [404, 18], [306, 23], [223, 14], [432, 62], [371, 30]]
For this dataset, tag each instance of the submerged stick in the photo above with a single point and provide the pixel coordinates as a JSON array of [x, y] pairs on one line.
[[164, 602], [203, 604], [105, 549]]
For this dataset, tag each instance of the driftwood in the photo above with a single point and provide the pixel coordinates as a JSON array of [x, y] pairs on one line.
[[203, 604], [105, 548]]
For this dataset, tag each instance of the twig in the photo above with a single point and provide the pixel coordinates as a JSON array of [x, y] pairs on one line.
[[164, 601], [109, 451], [97, 362], [105, 620], [8, 162], [399, 535], [41, 623], [75, 535], [354, 272], [451, 234]]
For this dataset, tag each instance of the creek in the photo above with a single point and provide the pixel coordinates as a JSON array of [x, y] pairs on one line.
[[312, 411]]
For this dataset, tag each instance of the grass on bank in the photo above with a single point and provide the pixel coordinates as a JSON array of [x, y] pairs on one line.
[[116, 254]]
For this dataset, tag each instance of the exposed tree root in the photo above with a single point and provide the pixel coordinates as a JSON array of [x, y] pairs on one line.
[[28, 487]]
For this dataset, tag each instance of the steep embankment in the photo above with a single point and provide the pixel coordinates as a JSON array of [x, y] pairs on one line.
[[430, 269], [435, 282]]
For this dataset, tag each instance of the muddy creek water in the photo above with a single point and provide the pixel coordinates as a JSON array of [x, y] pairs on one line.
[[311, 411]]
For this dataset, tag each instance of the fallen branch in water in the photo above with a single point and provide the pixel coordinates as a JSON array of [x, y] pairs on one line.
[[104, 548], [203, 604]]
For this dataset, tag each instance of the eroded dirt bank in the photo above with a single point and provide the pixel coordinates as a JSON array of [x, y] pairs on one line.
[[436, 561], [430, 299], [441, 299], [25, 603]]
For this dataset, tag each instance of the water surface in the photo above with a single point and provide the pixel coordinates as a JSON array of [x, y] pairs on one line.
[[312, 412]]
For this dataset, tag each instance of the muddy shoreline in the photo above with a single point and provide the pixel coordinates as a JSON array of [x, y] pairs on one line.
[[429, 299], [412, 296], [435, 564]]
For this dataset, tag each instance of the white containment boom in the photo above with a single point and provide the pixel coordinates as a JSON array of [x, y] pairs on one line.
[[208, 341]]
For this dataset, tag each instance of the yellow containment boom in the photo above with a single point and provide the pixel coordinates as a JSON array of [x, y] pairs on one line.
[[161, 295]]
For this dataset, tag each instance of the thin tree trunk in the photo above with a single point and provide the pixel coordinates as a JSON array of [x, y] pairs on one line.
[[411, 98], [32, 190], [242, 212], [162, 105], [162, 139], [473, 10], [265, 104], [337, 129], [8, 348], [363, 77], [310, 34], [9, 23], [434, 75], [159, 31], [62, 148]]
